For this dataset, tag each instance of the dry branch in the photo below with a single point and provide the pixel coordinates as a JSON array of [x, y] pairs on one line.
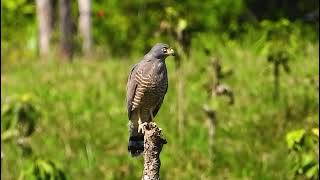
[[153, 143]]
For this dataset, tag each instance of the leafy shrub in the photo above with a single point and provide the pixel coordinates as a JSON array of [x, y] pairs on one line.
[[304, 148], [19, 29], [43, 169], [19, 114]]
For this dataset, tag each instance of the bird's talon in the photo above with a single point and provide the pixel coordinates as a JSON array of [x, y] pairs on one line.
[[142, 127], [152, 124]]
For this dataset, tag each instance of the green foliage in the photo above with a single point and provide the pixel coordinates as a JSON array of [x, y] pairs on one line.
[[280, 33], [84, 123], [75, 114], [294, 138], [19, 116], [22, 6], [304, 147], [122, 26], [42, 170], [19, 29]]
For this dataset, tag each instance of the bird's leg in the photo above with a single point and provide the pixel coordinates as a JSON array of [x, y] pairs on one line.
[[152, 123], [151, 115], [141, 126]]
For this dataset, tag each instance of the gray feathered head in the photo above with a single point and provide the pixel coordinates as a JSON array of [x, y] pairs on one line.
[[161, 51]]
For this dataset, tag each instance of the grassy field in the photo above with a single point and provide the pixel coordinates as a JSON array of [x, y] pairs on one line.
[[83, 122]]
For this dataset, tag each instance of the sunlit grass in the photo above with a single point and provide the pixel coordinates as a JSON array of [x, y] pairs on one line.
[[83, 126]]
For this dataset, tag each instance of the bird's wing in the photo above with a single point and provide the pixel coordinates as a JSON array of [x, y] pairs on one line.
[[155, 111], [131, 89]]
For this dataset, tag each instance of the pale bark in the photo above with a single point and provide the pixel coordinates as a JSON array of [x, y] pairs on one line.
[[153, 143], [65, 29], [85, 24], [44, 14], [211, 123]]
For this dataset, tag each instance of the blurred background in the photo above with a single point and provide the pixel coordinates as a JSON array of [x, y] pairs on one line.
[[243, 89]]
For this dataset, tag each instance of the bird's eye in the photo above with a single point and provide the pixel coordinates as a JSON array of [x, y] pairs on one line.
[[164, 50]]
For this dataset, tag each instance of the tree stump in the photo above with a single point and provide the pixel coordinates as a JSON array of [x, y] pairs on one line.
[[153, 143]]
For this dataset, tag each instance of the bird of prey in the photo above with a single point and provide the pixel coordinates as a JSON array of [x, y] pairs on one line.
[[146, 88]]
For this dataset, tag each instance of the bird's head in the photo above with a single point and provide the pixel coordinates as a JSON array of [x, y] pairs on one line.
[[161, 51]]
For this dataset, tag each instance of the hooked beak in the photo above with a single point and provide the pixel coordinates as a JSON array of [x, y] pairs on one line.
[[170, 52]]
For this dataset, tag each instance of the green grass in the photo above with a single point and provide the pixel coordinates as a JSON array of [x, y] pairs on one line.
[[83, 124]]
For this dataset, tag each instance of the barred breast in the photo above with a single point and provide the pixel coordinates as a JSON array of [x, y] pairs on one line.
[[150, 91]]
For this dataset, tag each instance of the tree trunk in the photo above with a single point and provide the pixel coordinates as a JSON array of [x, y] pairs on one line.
[[44, 13], [85, 25], [65, 29]]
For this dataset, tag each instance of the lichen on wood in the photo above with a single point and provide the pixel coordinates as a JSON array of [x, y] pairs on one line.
[[153, 143]]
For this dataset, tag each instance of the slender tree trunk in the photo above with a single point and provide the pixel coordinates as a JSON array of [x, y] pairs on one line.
[[65, 29], [85, 25], [211, 122], [44, 14]]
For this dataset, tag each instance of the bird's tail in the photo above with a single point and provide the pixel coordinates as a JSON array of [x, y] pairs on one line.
[[135, 145]]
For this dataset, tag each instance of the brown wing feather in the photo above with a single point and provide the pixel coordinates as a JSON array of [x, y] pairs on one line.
[[131, 89]]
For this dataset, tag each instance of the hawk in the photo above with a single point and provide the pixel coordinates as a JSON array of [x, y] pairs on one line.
[[146, 88]]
